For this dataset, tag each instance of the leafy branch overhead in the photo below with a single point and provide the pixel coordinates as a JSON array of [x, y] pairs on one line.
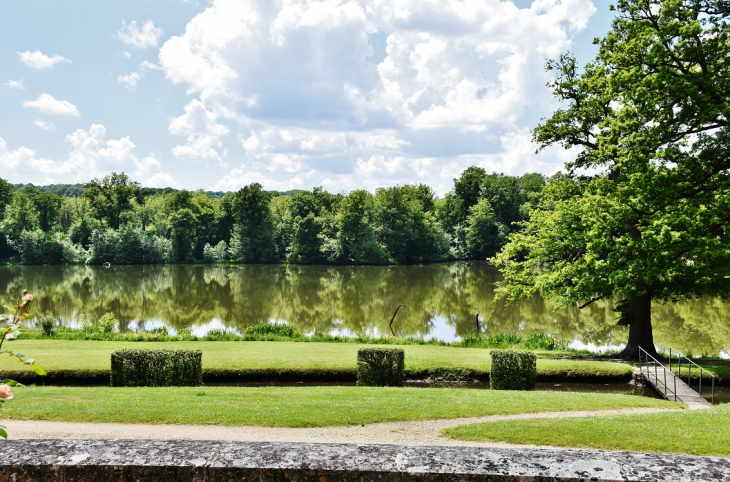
[[643, 212]]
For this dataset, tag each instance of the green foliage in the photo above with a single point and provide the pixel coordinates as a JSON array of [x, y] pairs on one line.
[[485, 235], [111, 196], [47, 322], [288, 331], [512, 370], [18, 314], [37, 247], [406, 225], [115, 221], [108, 323], [356, 234], [218, 334], [6, 195], [649, 115], [156, 368], [215, 254], [380, 367], [253, 235]]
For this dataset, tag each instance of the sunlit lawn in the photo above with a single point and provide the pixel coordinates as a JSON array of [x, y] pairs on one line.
[[294, 406], [56, 355], [699, 432]]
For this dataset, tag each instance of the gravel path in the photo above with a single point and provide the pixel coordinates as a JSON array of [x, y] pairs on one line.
[[422, 432]]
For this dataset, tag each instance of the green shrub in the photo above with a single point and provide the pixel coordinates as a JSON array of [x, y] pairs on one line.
[[160, 330], [289, 331], [47, 322], [156, 368], [219, 334], [87, 326], [512, 370], [380, 367], [107, 323]]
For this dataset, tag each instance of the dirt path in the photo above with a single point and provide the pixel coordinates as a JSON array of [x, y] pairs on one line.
[[422, 432]]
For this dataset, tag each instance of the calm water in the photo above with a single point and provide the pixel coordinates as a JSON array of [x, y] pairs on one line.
[[442, 301]]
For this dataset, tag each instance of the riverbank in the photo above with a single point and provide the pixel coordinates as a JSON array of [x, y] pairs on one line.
[[88, 362]]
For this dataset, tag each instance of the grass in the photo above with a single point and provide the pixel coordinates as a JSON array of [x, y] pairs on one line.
[[697, 432], [293, 357], [293, 406]]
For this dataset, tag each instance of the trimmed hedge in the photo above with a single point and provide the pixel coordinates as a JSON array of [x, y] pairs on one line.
[[380, 367], [512, 370], [157, 368]]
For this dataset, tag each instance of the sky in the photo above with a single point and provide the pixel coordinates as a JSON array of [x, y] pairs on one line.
[[293, 94]]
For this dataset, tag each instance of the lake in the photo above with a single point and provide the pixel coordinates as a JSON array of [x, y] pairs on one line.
[[442, 301]]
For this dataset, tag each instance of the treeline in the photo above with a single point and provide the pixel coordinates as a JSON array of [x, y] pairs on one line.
[[115, 220]]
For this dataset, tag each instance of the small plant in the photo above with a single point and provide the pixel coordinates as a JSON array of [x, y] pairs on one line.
[[512, 370], [47, 322], [380, 367], [160, 330], [543, 341], [216, 334], [289, 331], [108, 323], [87, 326]]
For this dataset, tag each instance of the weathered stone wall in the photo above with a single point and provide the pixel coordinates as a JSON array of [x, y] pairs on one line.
[[140, 460]]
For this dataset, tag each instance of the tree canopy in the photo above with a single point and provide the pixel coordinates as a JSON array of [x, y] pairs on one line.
[[649, 115]]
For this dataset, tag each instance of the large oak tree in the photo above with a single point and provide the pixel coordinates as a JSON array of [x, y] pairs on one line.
[[644, 211]]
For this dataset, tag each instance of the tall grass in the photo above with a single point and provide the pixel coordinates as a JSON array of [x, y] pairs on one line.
[[271, 332]]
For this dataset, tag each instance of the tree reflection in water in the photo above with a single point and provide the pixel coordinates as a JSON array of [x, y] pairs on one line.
[[440, 298]]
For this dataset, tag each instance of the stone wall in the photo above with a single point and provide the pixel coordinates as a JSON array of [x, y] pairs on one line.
[[142, 460]]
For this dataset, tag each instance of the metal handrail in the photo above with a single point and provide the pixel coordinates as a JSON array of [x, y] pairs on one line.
[[656, 362], [689, 371]]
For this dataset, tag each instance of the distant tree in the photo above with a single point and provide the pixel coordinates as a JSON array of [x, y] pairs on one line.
[[47, 206], [183, 222], [356, 234], [485, 234], [111, 196], [6, 195], [404, 226], [253, 235]]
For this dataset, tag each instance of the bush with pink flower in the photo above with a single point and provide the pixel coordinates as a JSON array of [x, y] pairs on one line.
[[10, 332]]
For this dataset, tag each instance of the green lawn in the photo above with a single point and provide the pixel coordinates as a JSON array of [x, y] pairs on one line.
[[293, 406], [698, 432], [55, 355]]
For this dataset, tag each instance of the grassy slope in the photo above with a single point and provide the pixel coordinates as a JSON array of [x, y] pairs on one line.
[[293, 407], [699, 432], [94, 355]]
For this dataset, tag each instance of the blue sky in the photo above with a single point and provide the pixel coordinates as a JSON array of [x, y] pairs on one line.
[[293, 94]]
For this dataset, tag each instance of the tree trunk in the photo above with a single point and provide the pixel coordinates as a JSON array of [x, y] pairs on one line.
[[640, 332]]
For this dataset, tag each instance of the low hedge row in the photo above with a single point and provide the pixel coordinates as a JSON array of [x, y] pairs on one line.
[[156, 368], [380, 367], [513, 370]]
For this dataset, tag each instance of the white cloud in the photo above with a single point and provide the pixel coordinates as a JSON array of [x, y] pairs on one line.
[[203, 133], [47, 104], [90, 155], [16, 84], [39, 60], [147, 36], [147, 65], [460, 82], [130, 80], [45, 125]]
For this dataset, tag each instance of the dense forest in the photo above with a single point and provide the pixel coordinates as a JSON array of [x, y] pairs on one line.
[[114, 220]]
